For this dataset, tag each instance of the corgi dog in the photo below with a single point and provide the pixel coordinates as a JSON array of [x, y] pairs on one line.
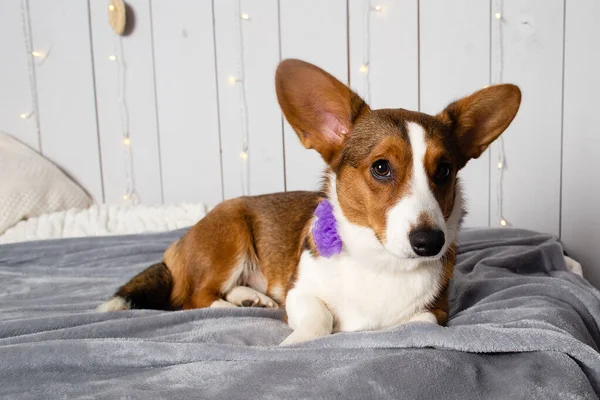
[[374, 248]]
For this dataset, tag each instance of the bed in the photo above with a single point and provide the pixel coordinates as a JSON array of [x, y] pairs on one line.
[[521, 326]]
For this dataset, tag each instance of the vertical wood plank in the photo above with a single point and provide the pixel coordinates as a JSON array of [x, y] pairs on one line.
[[261, 55], [187, 100], [532, 40], [314, 31], [580, 230], [139, 100], [65, 83], [393, 76], [455, 61], [15, 95]]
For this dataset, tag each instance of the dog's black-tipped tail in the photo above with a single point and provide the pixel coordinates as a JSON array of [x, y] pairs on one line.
[[150, 289]]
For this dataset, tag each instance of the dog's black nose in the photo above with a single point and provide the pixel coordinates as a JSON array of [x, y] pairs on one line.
[[426, 242]]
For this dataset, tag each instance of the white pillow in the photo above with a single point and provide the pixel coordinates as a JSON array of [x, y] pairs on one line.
[[31, 185]]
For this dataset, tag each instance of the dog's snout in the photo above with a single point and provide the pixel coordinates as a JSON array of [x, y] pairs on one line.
[[426, 242]]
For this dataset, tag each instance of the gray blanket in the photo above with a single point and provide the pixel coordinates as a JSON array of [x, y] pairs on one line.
[[521, 327]]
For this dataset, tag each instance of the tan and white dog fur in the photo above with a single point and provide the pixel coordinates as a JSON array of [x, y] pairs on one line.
[[392, 181]]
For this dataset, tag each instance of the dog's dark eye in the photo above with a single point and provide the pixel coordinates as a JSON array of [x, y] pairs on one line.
[[442, 173], [381, 169]]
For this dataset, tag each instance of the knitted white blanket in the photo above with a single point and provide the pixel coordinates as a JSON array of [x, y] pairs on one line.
[[103, 220]]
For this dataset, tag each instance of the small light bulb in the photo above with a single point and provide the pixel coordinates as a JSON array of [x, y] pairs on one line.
[[503, 222], [37, 54], [364, 69], [126, 141], [232, 80], [24, 116], [244, 155], [498, 15], [245, 16], [111, 8], [377, 8], [500, 165], [112, 57], [125, 197]]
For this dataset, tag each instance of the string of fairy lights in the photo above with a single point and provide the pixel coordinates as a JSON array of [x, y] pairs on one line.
[[238, 80], [366, 59], [130, 194], [117, 18], [497, 23], [32, 57]]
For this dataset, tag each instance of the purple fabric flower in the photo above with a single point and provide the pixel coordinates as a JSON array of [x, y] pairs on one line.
[[324, 231]]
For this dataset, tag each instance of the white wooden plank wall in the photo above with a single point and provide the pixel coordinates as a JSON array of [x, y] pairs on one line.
[[260, 169], [65, 87], [139, 104], [186, 89], [15, 93], [532, 47], [393, 76], [455, 61], [580, 226], [186, 116]]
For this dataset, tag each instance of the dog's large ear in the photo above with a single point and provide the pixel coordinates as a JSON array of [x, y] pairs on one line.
[[321, 109], [480, 118]]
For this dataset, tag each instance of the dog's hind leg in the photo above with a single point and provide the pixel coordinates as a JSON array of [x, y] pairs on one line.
[[247, 297], [222, 304]]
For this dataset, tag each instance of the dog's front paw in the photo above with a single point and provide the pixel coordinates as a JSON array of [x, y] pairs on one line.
[[299, 337], [426, 316]]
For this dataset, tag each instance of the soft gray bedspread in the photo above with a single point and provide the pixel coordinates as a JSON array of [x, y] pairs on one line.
[[521, 327]]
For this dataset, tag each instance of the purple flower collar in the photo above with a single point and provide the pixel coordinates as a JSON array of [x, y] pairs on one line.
[[324, 231]]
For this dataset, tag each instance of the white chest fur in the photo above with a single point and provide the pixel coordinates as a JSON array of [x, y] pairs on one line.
[[363, 297]]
